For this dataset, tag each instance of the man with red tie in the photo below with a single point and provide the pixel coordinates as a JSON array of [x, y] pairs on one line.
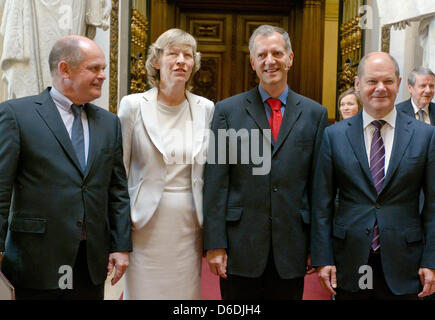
[[256, 224]]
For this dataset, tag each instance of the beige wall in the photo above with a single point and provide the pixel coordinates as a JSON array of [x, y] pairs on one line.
[[330, 57]]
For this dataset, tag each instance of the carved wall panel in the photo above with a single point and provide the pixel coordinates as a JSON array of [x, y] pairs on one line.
[[246, 24], [351, 43], [113, 76], [208, 80], [138, 49], [208, 31], [213, 35], [223, 27], [250, 79]]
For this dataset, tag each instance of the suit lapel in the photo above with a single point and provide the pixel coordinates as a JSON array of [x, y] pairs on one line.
[[50, 115], [432, 113], [149, 117], [355, 135], [409, 110], [198, 122], [291, 115], [402, 137], [255, 108]]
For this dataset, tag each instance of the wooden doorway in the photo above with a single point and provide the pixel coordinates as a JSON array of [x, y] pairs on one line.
[[223, 40], [222, 29]]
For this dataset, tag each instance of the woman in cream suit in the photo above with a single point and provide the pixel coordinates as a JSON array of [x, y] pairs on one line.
[[165, 140]]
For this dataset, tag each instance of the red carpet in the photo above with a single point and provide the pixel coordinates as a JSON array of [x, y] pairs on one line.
[[210, 286]]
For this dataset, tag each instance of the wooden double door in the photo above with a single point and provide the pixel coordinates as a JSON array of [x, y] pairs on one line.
[[222, 29], [223, 41]]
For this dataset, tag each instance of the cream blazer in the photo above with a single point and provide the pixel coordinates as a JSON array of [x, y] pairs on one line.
[[144, 156]]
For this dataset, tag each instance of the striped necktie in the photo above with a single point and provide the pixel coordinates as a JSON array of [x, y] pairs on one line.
[[421, 115], [377, 169]]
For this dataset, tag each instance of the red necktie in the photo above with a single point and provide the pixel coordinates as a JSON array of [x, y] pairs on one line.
[[276, 117]]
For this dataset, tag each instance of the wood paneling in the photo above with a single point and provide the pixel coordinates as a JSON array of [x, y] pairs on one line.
[[213, 32], [222, 29]]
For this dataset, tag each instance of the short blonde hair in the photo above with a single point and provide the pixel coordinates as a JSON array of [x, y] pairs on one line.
[[169, 38]]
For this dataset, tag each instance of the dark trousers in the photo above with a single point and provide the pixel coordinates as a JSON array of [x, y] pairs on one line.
[[269, 286], [83, 288], [380, 290]]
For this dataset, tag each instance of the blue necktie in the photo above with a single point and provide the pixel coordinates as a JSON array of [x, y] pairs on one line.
[[77, 137], [78, 142]]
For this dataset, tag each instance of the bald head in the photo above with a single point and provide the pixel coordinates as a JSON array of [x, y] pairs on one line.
[[69, 49], [376, 56], [377, 83]]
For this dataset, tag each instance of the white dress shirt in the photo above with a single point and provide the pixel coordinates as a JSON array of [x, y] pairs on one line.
[[426, 112], [387, 133], [63, 104]]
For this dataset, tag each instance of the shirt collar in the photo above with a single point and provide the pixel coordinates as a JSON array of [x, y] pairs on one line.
[[416, 109], [389, 118], [60, 100], [283, 97]]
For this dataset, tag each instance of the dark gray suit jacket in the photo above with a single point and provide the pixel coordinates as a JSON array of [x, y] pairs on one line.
[[43, 186], [343, 237], [249, 214], [406, 107]]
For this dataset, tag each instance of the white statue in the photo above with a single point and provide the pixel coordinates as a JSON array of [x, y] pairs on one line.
[[31, 27], [426, 32]]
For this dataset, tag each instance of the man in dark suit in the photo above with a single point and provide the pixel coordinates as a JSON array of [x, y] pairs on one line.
[[257, 215], [421, 82], [63, 181], [376, 245]]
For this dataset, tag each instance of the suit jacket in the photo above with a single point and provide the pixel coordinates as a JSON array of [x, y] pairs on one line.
[[406, 107], [144, 155], [51, 194], [249, 214], [407, 238]]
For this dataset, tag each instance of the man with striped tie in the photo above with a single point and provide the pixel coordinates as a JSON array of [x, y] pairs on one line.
[[376, 245], [421, 86]]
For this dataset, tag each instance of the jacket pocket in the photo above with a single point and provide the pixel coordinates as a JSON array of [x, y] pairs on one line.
[[419, 159], [339, 232], [413, 236], [29, 225], [234, 214]]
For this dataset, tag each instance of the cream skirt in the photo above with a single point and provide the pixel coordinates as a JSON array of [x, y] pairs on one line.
[[166, 260]]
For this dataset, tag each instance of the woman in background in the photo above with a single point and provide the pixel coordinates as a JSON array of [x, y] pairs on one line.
[[165, 144], [349, 104]]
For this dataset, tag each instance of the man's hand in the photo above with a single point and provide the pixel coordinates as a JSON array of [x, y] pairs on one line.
[[217, 262], [427, 279], [119, 260], [309, 269], [328, 278]]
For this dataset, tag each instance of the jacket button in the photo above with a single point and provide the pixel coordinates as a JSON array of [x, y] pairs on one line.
[[84, 188], [367, 231], [79, 223], [378, 206]]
